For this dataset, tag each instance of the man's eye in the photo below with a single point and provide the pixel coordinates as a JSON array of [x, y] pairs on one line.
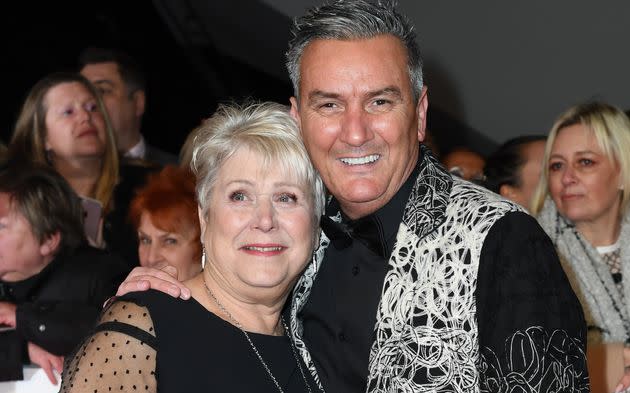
[[381, 102]]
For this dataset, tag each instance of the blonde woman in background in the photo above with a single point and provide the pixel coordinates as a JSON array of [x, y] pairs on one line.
[[582, 203]]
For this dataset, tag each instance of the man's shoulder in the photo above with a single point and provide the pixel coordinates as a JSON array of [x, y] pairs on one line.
[[468, 196], [90, 261]]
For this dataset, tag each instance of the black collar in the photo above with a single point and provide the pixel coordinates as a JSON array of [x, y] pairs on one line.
[[377, 231]]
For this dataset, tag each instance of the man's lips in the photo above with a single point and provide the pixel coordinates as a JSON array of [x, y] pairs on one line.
[[363, 160]]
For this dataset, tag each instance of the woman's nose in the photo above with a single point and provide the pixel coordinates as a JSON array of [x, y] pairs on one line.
[[265, 219], [568, 176]]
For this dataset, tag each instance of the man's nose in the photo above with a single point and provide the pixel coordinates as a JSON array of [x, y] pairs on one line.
[[356, 127]]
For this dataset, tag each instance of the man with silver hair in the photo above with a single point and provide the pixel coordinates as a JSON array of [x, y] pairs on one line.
[[423, 282]]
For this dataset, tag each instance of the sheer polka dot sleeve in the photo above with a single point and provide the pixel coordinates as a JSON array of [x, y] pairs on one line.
[[118, 357]]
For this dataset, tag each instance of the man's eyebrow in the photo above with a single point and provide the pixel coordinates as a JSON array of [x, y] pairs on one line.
[[320, 94], [387, 91]]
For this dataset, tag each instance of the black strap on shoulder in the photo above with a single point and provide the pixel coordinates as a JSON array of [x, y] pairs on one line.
[[129, 330]]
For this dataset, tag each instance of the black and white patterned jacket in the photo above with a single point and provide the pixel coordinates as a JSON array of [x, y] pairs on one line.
[[475, 299]]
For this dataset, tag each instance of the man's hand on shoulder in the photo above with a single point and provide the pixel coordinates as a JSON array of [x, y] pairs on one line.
[[163, 280]]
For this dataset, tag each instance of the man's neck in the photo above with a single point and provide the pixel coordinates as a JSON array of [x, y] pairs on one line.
[[127, 141]]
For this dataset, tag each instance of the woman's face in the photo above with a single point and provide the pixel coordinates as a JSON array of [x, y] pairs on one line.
[[75, 127], [259, 229], [158, 248], [21, 253], [583, 181]]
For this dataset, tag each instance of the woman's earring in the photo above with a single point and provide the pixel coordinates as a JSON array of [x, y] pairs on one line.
[[203, 256]]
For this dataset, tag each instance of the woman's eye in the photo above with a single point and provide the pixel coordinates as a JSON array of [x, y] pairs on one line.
[[144, 240], [91, 107], [287, 197], [238, 196], [586, 162], [67, 112], [170, 241], [555, 166]]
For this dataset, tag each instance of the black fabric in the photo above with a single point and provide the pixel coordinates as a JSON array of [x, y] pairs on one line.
[[57, 307], [129, 330], [200, 352], [517, 261], [10, 355], [119, 235], [340, 314], [158, 156]]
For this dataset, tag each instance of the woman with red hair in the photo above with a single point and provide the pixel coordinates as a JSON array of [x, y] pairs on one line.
[[164, 212]]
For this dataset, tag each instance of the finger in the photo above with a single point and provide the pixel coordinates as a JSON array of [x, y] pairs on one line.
[[57, 363], [171, 270], [624, 383], [47, 366], [164, 283]]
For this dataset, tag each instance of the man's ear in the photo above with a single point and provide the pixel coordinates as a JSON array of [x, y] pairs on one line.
[[295, 113], [50, 245], [506, 191], [139, 98], [421, 113]]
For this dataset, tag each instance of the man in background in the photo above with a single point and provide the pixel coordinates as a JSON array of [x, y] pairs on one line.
[[123, 87]]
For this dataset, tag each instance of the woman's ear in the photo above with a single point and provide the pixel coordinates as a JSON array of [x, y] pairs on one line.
[[50, 245]]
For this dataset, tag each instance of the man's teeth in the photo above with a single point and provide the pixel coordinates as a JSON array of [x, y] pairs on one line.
[[360, 160], [264, 249]]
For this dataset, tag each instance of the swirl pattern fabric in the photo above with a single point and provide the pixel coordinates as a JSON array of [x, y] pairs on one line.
[[427, 328]]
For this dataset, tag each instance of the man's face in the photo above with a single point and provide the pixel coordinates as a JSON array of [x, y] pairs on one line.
[[358, 119], [123, 108]]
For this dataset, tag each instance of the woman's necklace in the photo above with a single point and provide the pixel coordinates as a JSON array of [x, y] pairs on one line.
[[251, 343]]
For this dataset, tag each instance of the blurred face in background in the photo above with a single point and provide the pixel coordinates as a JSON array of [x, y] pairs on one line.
[[75, 128], [158, 248], [125, 108], [529, 174], [583, 182], [21, 253]]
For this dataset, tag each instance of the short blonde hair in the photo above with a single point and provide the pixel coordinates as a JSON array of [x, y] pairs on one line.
[[611, 128], [265, 128], [29, 136]]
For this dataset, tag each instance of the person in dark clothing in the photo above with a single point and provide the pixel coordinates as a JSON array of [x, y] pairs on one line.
[[52, 283]]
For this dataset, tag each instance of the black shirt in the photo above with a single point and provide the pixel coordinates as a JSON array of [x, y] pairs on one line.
[[340, 314]]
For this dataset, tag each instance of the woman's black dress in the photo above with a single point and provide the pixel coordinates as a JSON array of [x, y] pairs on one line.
[[150, 341]]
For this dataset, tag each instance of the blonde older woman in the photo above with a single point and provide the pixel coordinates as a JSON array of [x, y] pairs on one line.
[[259, 206], [582, 203]]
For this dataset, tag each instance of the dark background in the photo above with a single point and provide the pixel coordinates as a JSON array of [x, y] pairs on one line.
[[182, 46]]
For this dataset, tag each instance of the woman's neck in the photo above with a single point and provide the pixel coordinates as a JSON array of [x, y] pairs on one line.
[[602, 232], [254, 315], [82, 175]]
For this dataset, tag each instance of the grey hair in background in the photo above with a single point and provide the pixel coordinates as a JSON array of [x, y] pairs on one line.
[[267, 129], [352, 20]]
